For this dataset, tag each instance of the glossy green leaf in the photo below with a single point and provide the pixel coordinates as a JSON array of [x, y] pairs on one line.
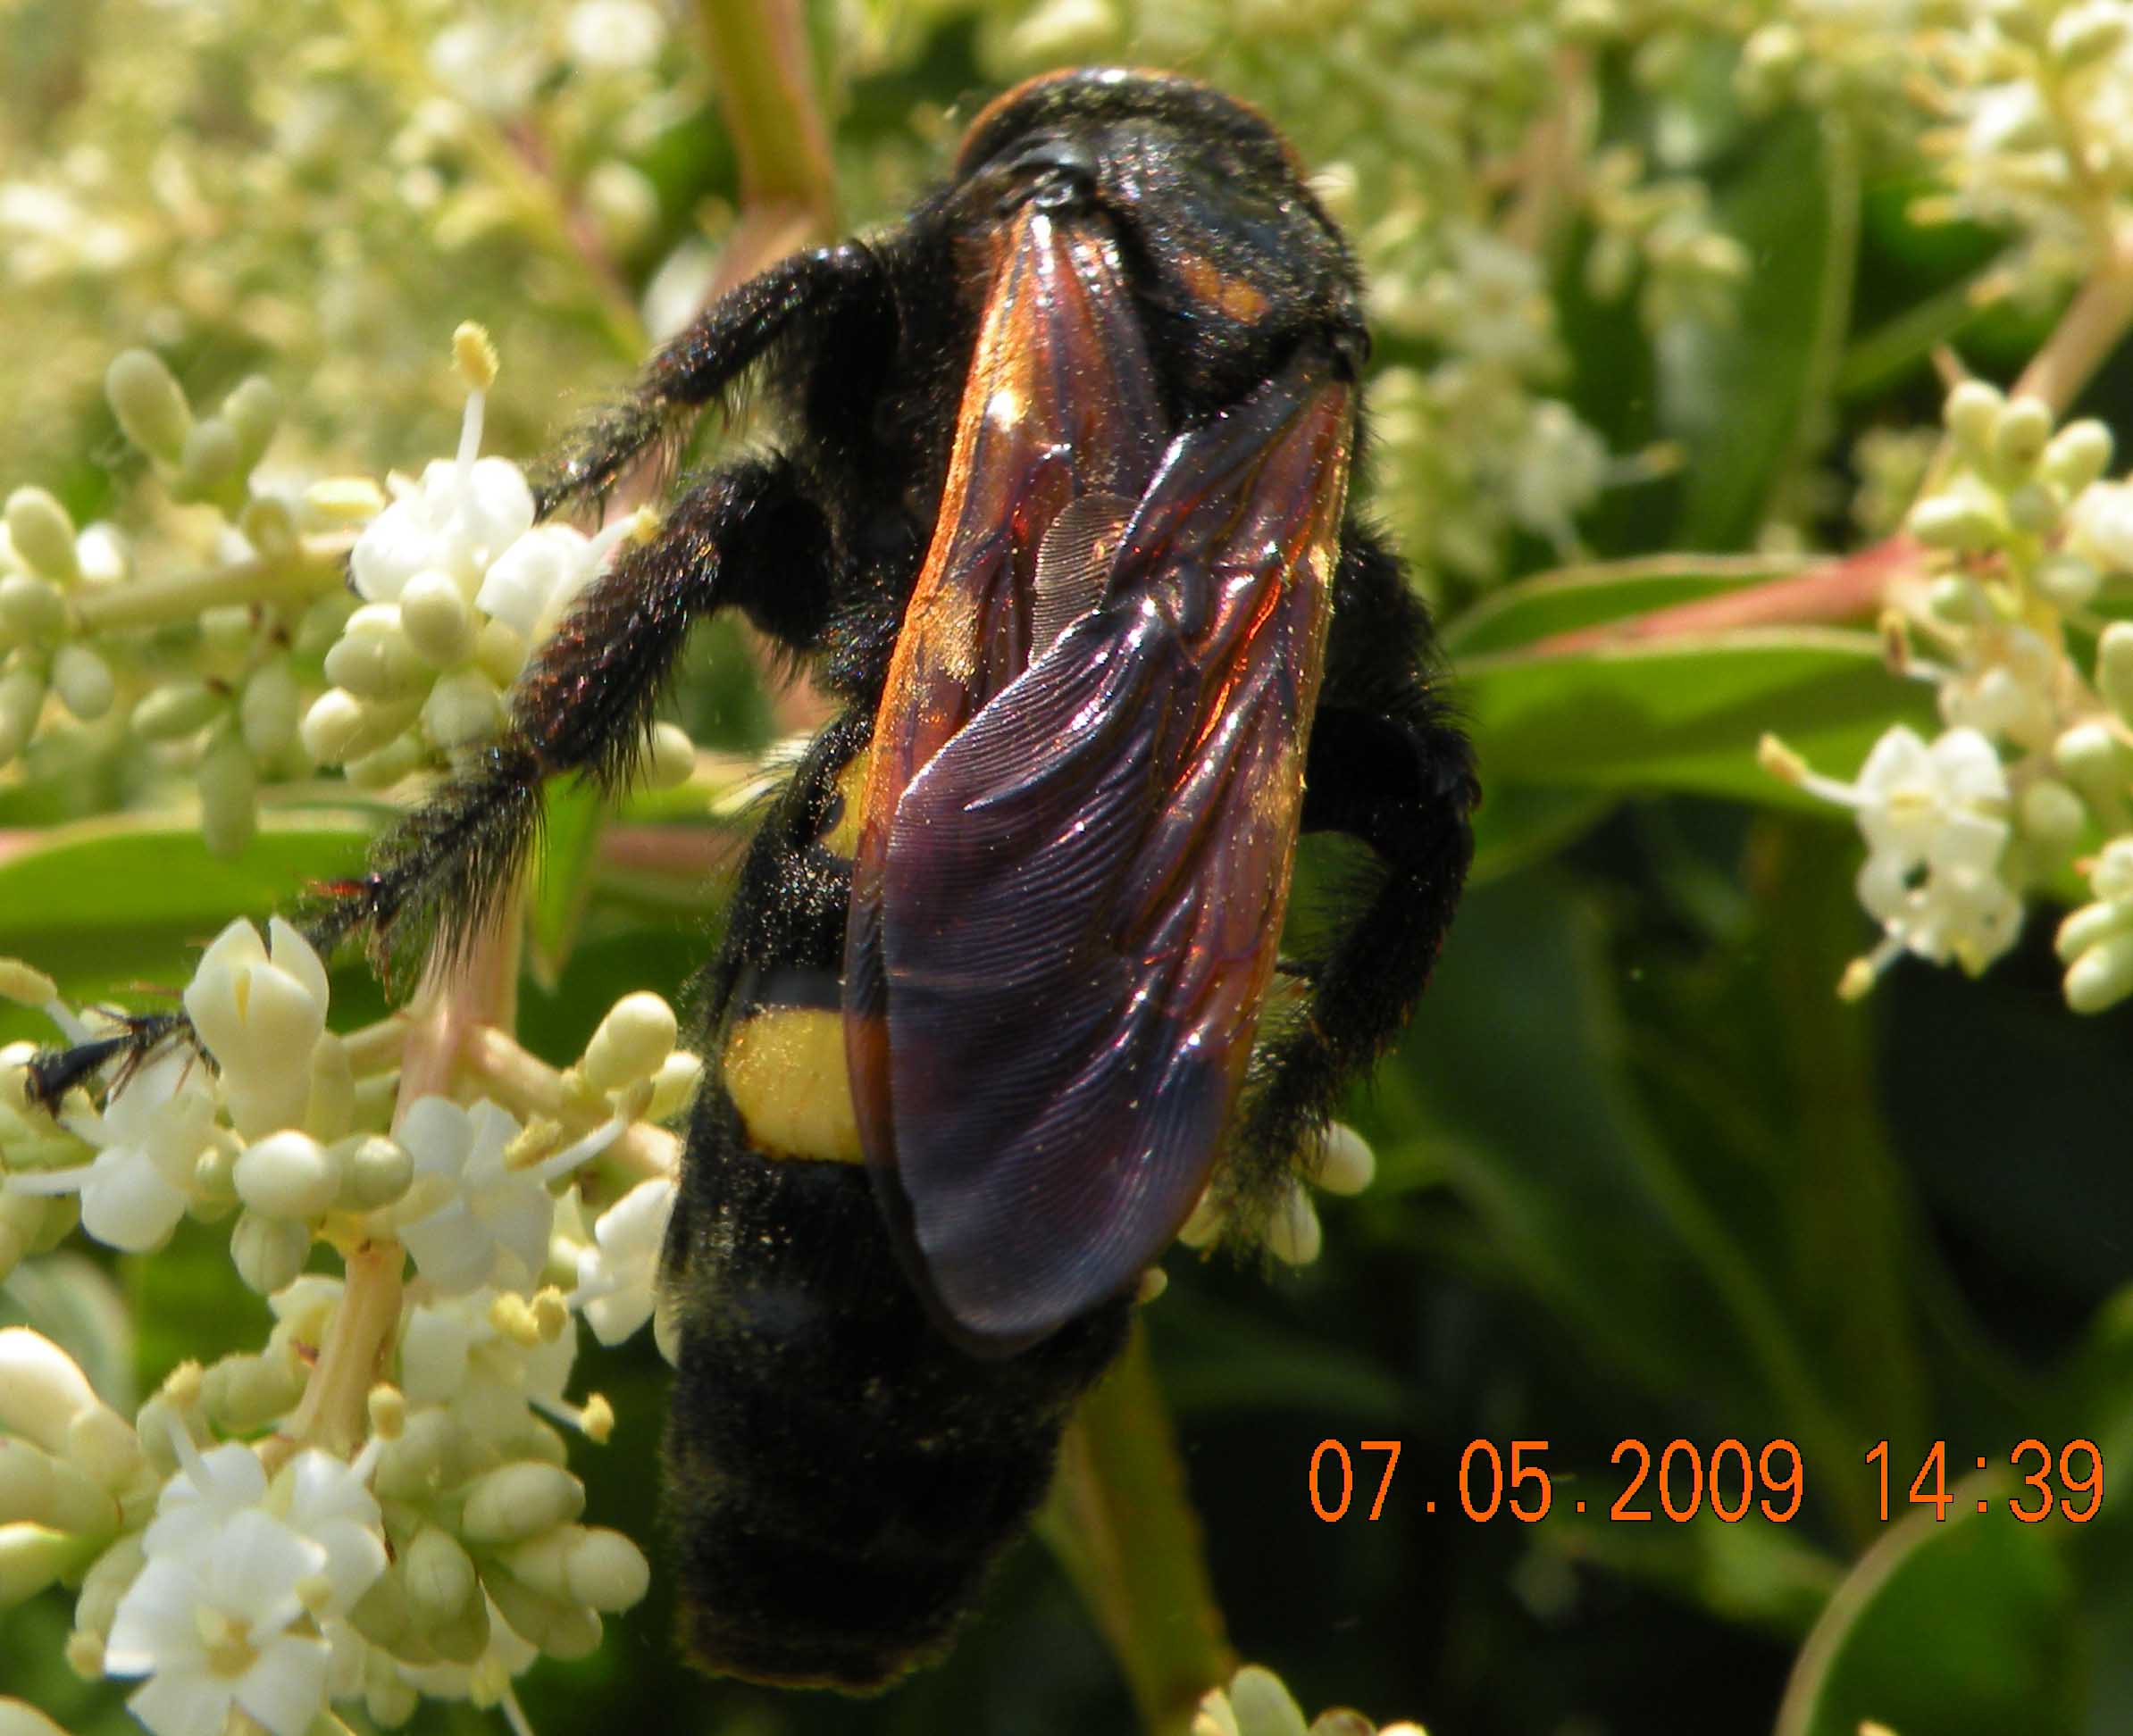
[[1686, 714], [1573, 597], [576, 814]]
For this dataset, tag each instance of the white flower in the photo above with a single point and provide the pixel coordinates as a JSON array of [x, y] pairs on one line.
[[494, 1210], [488, 62], [2100, 526], [451, 1353], [464, 514], [261, 1008], [1907, 792], [1956, 907], [209, 1490], [533, 583], [617, 1275], [212, 1629], [613, 36], [2009, 691], [149, 1140]]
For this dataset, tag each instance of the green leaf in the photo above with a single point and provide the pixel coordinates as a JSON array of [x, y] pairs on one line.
[[1573, 597], [1740, 397], [1521, 824], [1965, 1628], [576, 814], [1686, 714]]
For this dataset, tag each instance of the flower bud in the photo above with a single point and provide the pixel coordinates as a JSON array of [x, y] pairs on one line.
[[673, 1085], [1958, 522], [2020, 432], [1973, 413], [2034, 506], [2082, 36], [42, 535], [438, 623], [500, 652], [150, 407], [82, 680], [2103, 976], [1293, 1236], [438, 1576], [464, 710], [183, 708], [38, 1489], [268, 1253], [22, 698], [400, 757], [211, 467], [572, 1564], [102, 1445], [2087, 753], [269, 526], [343, 500], [1954, 599], [253, 411], [244, 1393], [32, 1557], [2114, 667], [376, 1171], [2078, 455], [383, 1613], [2088, 926], [41, 1389], [228, 795], [228, 630], [288, 1174], [339, 727], [32, 608], [372, 658], [420, 1460], [561, 1630], [19, 1718], [519, 1500], [2067, 582], [270, 710], [391, 1701], [1346, 1164], [101, 552], [631, 1043], [2052, 815]]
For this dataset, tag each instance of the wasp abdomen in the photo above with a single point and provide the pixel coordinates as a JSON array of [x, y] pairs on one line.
[[841, 1475]]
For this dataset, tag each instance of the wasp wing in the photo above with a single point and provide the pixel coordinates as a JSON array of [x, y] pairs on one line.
[[1082, 888], [1060, 408]]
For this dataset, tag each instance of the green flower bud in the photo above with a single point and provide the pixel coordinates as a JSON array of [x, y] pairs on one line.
[[288, 1174], [82, 680], [2082, 36], [253, 411], [106, 1581], [438, 623], [2067, 582], [2100, 977], [269, 1253], [423, 1460], [373, 659], [22, 698], [182, 709], [32, 1557], [464, 710], [2078, 455], [2052, 815], [43, 534], [38, 1489], [2033, 506], [243, 1393], [382, 1614], [633, 1041], [2088, 753], [211, 466], [228, 795], [400, 757], [499, 651], [670, 757], [2020, 432], [602, 1569], [149, 404], [561, 1630], [228, 629], [438, 1576], [1955, 521], [1972, 413], [2114, 667], [269, 526], [31, 609], [674, 1084], [519, 1500], [270, 710], [376, 1171], [322, 622]]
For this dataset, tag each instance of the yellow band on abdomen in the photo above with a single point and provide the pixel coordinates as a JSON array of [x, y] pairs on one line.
[[784, 1070]]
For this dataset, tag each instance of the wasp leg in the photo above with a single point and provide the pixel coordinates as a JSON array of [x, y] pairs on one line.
[[747, 537], [728, 336], [1386, 765]]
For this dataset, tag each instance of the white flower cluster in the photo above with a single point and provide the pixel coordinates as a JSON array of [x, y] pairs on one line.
[[458, 585], [1256, 1702], [1342, 1164], [2022, 543], [371, 1543]]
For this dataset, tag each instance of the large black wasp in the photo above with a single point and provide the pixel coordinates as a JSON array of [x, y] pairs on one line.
[[1060, 518]]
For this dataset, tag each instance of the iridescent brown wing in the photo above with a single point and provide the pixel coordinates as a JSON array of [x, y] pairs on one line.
[[1060, 407], [1082, 889]]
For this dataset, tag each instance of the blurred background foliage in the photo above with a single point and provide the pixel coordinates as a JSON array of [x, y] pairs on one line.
[[1649, 280]]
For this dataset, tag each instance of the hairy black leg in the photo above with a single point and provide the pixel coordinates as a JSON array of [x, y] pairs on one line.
[[1387, 766], [747, 537], [729, 336]]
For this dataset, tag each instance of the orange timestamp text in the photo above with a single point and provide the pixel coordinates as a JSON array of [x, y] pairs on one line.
[[1681, 1479]]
